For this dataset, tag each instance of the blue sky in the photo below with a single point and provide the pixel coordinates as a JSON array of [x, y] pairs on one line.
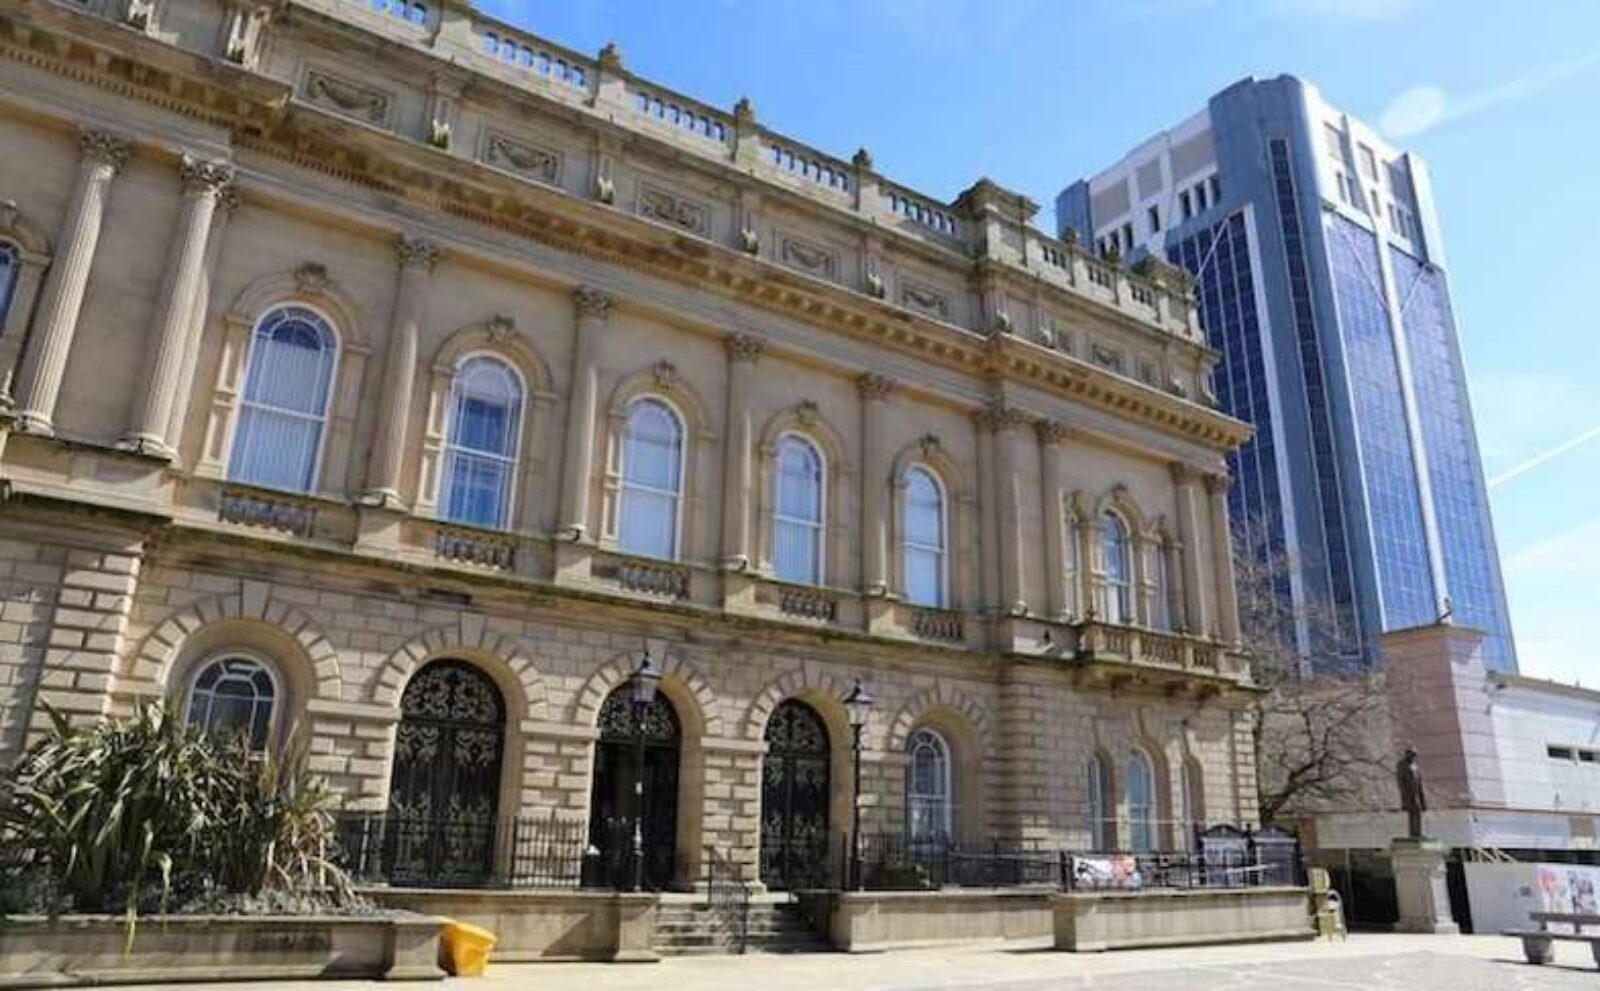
[[1504, 104]]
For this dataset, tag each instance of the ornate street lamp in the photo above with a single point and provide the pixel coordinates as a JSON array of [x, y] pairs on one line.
[[646, 679], [857, 705]]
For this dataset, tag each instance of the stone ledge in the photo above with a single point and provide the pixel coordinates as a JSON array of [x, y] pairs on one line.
[[1087, 922]]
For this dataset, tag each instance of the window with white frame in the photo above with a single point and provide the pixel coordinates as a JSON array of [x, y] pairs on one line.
[[1102, 820], [925, 541], [234, 696], [480, 460], [10, 266], [1139, 795], [652, 480], [797, 512], [930, 810], [283, 412], [1116, 561]]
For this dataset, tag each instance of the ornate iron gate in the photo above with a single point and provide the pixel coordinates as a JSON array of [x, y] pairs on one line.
[[611, 805], [794, 799], [444, 794]]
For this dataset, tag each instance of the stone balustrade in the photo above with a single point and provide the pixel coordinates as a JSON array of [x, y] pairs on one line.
[[286, 514], [485, 550], [645, 576], [945, 625]]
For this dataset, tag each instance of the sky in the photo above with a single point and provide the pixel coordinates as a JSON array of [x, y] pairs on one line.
[[1503, 102]]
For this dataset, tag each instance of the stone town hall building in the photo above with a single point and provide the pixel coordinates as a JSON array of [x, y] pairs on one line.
[[378, 372]]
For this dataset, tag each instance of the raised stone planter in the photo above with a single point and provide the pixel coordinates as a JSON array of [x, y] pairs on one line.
[[83, 950], [1115, 920], [872, 921], [543, 925]]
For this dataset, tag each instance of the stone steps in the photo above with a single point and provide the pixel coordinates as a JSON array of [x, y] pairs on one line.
[[695, 930]]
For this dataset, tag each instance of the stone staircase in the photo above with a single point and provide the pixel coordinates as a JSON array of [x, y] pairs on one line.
[[687, 926]]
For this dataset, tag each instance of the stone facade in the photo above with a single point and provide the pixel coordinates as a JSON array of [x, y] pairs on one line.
[[437, 186]]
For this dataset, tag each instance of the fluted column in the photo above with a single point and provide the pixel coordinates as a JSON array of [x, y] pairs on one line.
[[592, 309], [875, 484], [178, 412], [1187, 480], [203, 183], [102, 157], [1222, 558], [1051, 437], [416, 259], [1005, 424], [738, 452]]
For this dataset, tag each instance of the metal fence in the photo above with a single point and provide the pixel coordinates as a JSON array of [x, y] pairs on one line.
[[419, 852]]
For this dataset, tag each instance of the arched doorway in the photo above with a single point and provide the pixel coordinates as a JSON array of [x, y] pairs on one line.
[[794, 799], [444, 793], [611, 803]]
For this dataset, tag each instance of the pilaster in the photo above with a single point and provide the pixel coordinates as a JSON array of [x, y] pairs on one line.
[[744, 351], [875, 390], [417, 259], [1217, 487], [591, 311]]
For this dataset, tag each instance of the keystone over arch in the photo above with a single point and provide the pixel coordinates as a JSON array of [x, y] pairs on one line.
[[470, 639], [600, 684], [941, 695]]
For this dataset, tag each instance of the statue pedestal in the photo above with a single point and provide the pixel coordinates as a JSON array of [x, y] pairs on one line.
[[1420, 887]]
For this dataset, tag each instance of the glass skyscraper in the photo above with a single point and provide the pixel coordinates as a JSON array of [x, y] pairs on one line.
[[1322, 280]]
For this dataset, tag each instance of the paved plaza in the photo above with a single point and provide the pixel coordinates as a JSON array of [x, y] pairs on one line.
[[1364, 962]]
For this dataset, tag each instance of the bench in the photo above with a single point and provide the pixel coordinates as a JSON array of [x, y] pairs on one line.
[[1538, 945]]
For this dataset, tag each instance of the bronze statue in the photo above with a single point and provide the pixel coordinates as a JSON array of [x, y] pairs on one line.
[[1412, 798]]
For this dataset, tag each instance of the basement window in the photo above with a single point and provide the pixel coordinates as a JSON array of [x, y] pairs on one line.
[[1559, 753]]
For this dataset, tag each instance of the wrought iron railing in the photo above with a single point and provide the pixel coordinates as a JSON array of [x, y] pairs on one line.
[[895, 862], [729, 898], [423, 852]]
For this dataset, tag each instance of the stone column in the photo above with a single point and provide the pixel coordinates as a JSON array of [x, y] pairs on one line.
[[1187, 480], [1222, 559], [1005, 423], [875, 484], [738, 451], [1051, 436], [416, 259], [203, 183], [62, 298], [178, 412], [592, 309]]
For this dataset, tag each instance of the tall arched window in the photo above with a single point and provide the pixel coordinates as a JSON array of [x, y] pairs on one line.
[[797, 512], [288, 375], [234, 695], [1139, 794], [652, 480], [930, 810], [924, 552], [1117, 562], [1102, 819], [10, 265], [481, 447]]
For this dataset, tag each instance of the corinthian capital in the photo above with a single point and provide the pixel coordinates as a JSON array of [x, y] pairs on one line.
[[201, 176], [1219, 483], [997, 416], [744, 347], [1184, 473], [415, 252], [591, 303], [104, 148], [1052, 431], [874, 386]]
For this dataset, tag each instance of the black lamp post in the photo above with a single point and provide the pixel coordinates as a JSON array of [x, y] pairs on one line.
[[857, 705], [646, 679]]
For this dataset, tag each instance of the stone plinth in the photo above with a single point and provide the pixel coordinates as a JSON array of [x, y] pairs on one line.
[[1115, 920], [1420, 887], [543, 925], [873, 921]]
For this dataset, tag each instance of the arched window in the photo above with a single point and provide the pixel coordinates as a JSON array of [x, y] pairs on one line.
[[797, 512], [10, 266], [234, 695], [1139, 794], [652, 480], [929, 806], [1117, 564], [924, 549], [1102, 819], [288, 375], [481, 450]]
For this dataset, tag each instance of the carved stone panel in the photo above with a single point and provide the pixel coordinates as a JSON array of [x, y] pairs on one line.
[[809, 258], [669, 208], [924, 300], [352, 99], [529, 161]]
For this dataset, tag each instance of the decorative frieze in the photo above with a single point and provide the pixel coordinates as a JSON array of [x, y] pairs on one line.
[[809, 258], [351, 99], [527, 160], [925, 300], [656, 203]]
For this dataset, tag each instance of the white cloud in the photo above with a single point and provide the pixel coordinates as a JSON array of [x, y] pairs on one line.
[[1424, 107]]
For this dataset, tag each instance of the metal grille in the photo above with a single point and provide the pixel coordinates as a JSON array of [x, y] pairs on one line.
[[794, 799]]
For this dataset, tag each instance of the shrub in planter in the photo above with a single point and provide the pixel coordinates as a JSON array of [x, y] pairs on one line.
[[136, 815]]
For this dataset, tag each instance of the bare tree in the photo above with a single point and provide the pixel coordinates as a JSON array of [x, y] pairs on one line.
[[1321, 724]]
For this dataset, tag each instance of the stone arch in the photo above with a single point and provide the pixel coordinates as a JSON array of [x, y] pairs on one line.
[[959, 512], [961, 723], [151, 666], [941, 695], [806, 683], [311, 284], [663, 382], [468, 638], [690, 692], [1120, 501], [804, 421], [500, 336]]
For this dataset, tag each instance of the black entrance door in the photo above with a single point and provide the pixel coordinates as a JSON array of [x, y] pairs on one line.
[[794, 799], [611, 803], [445, 791]]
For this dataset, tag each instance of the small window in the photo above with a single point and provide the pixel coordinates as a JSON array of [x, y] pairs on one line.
[[797, 512], [652, 474], [1559, 753], [1369, 163], [929, 804], [1216, 189], [234, 695], [1155, 220], [1202, 203], [1140, 796], [1127, 238], [1185, 205], [924, 551], [289, 372], [1333, 139], [1117, 564], [1588, 756]]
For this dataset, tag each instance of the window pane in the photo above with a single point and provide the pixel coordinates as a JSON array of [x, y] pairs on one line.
[[794, 551], [924, 577], [477, 489], [285, 400], [648, 523], [480, 457], [924, 510], [233, 696], [799, 481], [277, 450], [653, 446], [8, 279]]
